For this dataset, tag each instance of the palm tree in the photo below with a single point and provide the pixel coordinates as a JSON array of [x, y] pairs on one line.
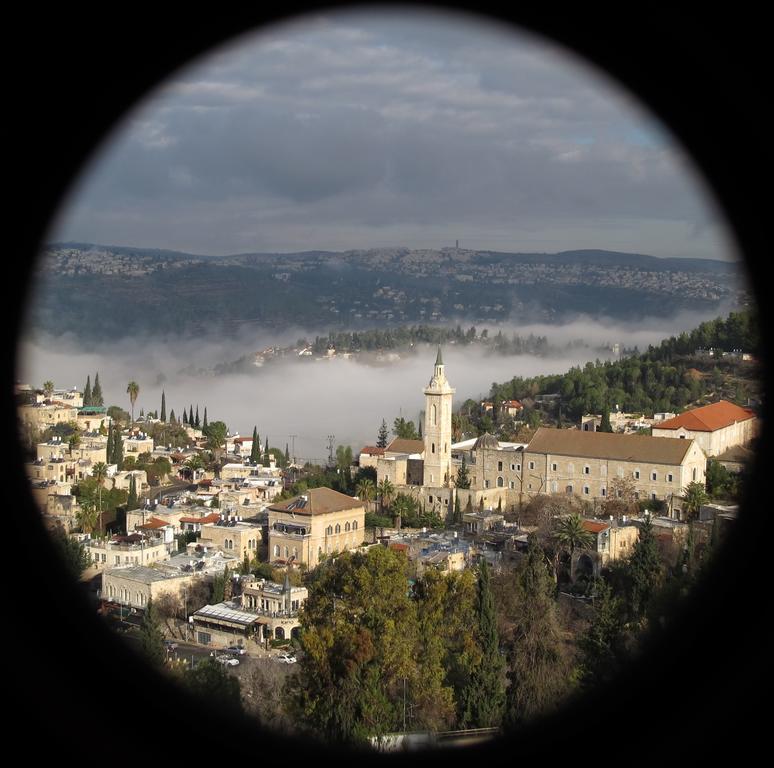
[[133, 389], [385, 489], [402, 506], [694, 496], [99, 472], [87, 516], [570, 534], [366, 490], [48, 389]]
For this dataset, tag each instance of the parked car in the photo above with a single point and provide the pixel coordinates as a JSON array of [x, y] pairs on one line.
[[287, 658], [228, 661], [236, 649]]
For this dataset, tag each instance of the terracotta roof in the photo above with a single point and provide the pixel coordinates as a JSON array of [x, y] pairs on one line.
[[243, 439], [708, 418], [154, 522], [512, 404], [609, 445], [403, 445], [398, 546], [372, 450], [318, 501], [593, 527]]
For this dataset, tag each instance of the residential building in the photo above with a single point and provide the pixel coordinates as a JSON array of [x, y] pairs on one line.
[[715, 428], [319, 522]]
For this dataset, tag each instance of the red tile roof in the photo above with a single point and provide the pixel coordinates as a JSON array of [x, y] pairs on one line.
[[592, 527], [213, 518], [372, 450], [708, 418], [154, 522]]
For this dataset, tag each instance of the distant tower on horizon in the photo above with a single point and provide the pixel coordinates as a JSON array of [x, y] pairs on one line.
[[438, 429], [458, 244]]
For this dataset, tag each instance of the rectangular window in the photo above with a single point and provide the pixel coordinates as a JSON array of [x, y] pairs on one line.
[[586, 470], [586, 490], [499, 466], [653, 496], [205, 638], [430, 499], [518, 467], [653, 476], [532, 465], [513, 467], [553, 467], [604, 491], [669, 477], [636, 474]]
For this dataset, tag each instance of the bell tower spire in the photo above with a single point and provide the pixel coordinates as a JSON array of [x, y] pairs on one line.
[[437, 431]]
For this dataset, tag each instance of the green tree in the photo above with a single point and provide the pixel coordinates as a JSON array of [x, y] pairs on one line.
[[132, 389], [404, 429], [197, 424], [483, 698], [216, 437], [457, 519], [163, 405], [96, 393], [571, 535], [73, 553], [360, 642], [172, 419], [603, 646], [131, 502], [204, 422], [151, 637], [366, 491], [693, 498], [385, 490], [463, 478], [383, 436], [87, 516], [644, 571], [537, 668], [255, 449], [210, 682], [606, 426], [48, 389], [87, 399], [117, 454]]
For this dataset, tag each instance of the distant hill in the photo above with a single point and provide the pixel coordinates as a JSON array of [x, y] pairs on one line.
[[98, 291]]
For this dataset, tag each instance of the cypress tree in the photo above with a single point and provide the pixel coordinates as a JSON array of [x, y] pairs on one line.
[[163, 406], [96, 393], [131, 502], [110, 444], [191, 416], [605, 425], [87, 396], [151, 637], [204, 423], [266, 452], [118, 449], [287, 454], [457, 509], [196, 420], [483, 699], [185, 417], [172, 419], [644, 567], [254, 448]]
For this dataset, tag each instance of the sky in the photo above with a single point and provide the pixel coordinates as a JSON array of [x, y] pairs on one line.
[[365, 129]]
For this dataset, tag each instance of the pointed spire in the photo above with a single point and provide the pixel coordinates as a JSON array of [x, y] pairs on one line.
[[439, 359]]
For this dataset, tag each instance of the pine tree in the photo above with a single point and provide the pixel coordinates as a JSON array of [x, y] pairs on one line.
[[172, 419], [381, 441], [87, 396], [96, 393], [163, 406], [204, 423], [463, 478], [483, 699], [644, 568]]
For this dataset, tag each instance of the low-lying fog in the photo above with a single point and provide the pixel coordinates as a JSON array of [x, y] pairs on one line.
[[310, 399]]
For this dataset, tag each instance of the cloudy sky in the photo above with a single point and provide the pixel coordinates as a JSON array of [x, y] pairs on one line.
[[365, 130]]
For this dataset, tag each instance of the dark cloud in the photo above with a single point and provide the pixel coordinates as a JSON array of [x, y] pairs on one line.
[[357, 130]]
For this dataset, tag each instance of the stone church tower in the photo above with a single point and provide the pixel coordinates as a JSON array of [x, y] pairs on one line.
[[438, 428]]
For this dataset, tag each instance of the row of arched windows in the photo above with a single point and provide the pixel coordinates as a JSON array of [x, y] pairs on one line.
[[330, 530]]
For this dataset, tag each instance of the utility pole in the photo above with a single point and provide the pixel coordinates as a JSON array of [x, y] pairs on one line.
[[293, 450], [331, 438]]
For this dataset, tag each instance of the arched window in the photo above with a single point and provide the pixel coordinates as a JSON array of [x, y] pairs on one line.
[[338, 528], [435, 416], [354, 526], [568, 489], [347, 526], [287, 553], [276, 550], [500, 482], [329, 530]]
